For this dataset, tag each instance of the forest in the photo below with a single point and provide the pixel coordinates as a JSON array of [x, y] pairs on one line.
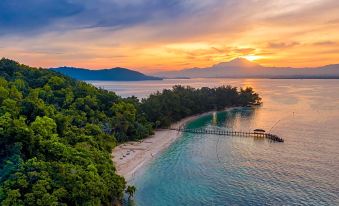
[[170, 105], [57, 133]]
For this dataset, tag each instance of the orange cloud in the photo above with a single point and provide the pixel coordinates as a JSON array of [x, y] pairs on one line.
[[274, 33]]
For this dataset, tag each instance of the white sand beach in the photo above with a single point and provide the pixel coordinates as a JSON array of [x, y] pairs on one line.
[[131, 156]]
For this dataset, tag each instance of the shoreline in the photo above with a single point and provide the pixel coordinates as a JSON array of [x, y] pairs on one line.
[[129, 157]]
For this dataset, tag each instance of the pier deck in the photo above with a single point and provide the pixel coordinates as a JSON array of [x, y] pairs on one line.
[[231, 133]]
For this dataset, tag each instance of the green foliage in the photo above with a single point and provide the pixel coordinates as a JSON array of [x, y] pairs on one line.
[[130, 190], [56, 138], [43, 126], [248, 96], [57, 134], [172, 105], [3, 94]]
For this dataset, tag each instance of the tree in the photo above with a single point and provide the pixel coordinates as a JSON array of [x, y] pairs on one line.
[[44, 126], [3, 94], [130, 190], [247, 96], [168, 106], [57, 133], [53, 146]]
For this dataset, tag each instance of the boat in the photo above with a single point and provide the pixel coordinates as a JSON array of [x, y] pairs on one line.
[[259, 131]]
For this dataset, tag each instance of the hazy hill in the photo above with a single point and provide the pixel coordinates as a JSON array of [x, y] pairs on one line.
[[115, 74], [242, 68]]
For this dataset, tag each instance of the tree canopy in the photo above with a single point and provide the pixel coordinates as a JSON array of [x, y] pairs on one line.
[[56, 137], [168, 106], [57, 133]]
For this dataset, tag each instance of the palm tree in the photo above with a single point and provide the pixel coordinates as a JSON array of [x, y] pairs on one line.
[[130, 191]]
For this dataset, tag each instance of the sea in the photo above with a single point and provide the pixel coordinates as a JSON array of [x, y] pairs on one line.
[[206, 169]]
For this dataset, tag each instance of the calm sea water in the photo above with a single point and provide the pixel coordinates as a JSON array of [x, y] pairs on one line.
[[219, 170]]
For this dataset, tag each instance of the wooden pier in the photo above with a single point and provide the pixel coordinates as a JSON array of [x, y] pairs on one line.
[[269, 136]]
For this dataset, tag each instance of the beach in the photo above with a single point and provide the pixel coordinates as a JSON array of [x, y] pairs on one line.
[[131, 156]]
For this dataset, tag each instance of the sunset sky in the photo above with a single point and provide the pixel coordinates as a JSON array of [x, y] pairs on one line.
[[154, 35]]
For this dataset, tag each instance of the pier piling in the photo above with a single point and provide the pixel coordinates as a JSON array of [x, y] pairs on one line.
[[269, 136]]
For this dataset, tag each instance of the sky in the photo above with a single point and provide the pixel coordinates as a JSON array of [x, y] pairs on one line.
[[157, 35]]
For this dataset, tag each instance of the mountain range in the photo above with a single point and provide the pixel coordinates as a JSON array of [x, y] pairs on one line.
[[115, 74], [242, 68]]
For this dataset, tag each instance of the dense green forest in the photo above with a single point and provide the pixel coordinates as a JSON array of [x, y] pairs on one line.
[[57, 133], [56, 136], [168, 106]]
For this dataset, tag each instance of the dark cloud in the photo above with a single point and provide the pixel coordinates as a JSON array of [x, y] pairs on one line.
[[244, 51], [21, 16], [333, 21], [314, 11], [25, 16], [324, 43], [114, 13], [223, 50], [282, 45]]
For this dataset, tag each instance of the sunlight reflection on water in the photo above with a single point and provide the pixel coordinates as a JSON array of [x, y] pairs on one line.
[[301, 171]]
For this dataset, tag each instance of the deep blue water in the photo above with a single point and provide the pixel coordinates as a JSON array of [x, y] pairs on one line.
[[219, 170]]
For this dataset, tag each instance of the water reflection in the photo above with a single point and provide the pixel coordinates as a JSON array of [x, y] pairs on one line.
[[233, 119], [214, 119], [301, 171]]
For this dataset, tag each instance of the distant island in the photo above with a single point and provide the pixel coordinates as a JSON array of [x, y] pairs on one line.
[[114, 74], [242, 68]]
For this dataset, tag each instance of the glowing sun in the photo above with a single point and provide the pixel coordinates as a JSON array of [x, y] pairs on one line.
[[251, 57]]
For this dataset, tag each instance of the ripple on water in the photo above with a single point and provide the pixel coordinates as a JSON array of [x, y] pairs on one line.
[[215, 170]]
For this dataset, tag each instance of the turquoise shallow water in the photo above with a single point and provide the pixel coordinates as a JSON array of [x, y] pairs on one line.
[[217, 170]]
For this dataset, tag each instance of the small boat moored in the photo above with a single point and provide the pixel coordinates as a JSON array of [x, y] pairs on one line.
[[259, 131]]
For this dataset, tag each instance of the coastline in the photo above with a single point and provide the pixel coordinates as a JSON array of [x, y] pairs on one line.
[[129, 157]]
